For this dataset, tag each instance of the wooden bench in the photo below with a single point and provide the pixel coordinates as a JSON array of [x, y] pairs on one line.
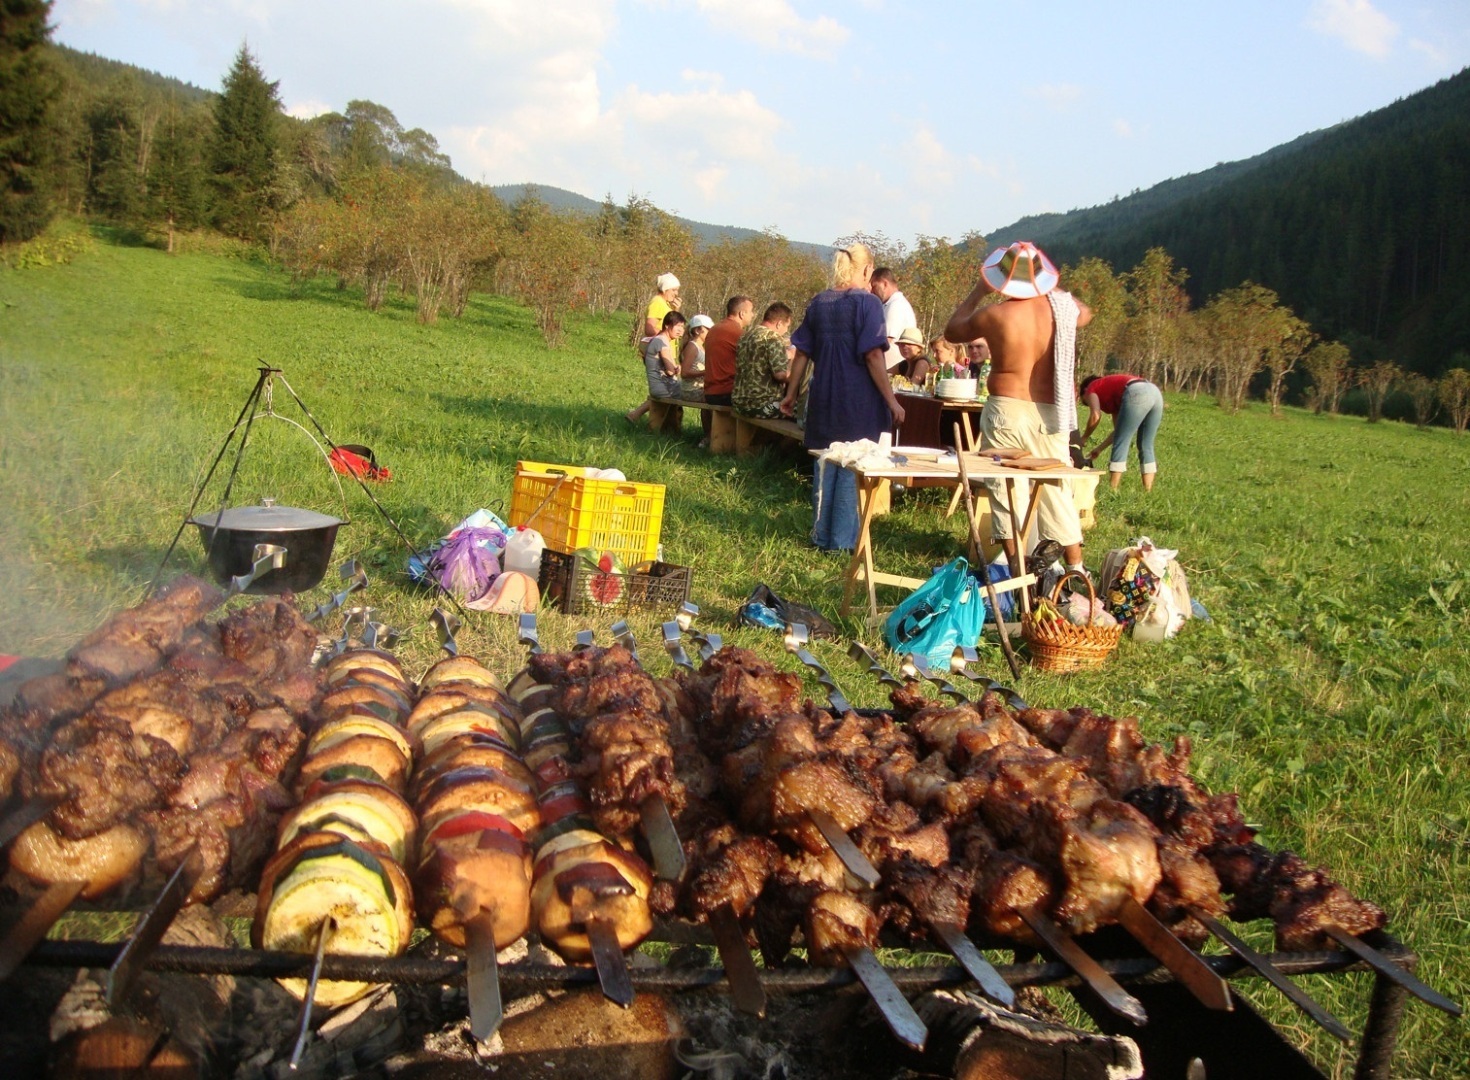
[[729, 433]]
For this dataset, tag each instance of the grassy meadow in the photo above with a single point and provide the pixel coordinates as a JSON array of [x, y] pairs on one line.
[[1334, 556]]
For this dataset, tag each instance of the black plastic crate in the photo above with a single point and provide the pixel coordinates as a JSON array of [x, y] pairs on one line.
[[656, 586]]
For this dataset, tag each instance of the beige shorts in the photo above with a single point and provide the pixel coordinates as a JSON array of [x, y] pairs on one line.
[[1032, 427]]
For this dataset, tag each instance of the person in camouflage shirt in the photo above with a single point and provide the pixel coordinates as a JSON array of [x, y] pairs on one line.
[[761, 366]]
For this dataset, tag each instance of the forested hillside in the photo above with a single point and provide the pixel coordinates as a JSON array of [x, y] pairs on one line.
[[1364, 229]]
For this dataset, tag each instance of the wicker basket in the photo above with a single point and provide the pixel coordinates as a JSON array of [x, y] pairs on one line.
[[1058, 645]]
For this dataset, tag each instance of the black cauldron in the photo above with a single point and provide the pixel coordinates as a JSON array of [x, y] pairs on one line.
[[230, 536]]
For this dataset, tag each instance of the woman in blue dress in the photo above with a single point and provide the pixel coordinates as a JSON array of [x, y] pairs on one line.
[[844, 338]]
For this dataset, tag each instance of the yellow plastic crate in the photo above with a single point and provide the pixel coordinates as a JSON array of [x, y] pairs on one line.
[[609, 515]]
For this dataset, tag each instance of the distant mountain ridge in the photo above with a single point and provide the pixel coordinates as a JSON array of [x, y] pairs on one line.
[[1362, 228], [562, 199]]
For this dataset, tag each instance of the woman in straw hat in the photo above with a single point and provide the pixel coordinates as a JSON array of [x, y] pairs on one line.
[[843, 338]]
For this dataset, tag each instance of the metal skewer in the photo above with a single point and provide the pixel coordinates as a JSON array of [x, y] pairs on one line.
[[687, 614], [303, 1026], [796, 639], [150, 928], [446, 626], [357, 580], [973, 961], [1298, 997], [527, 633], [675, 647], [1386, 967], [669, 862], [917, 667], [612, 967], [864, 655], [28, 931], [855, 862], [623, 634], [1089, 970], [898, 1014], [352, 618], [709, 644], [378, 635], [959, 664], [482, 978], [746, 990], [1193, 973], [586, 639], [265, 558]]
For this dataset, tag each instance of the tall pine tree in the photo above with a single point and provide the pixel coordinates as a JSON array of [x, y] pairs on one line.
[[28, 86], [243, 153]]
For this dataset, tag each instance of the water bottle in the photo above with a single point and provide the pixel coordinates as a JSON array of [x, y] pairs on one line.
[[523, 552]]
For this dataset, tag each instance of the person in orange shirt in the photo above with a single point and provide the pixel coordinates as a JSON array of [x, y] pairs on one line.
[[719, 349]]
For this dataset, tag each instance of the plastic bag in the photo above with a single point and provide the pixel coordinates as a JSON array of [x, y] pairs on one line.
[[765, 609], [418, 563], [467, 563], [1147, 589], [946, 611]]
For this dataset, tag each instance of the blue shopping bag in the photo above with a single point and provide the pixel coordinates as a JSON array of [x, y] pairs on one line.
[[946, 611]]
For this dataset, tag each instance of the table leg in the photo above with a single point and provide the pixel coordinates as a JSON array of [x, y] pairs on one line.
[[1018, 541], [1031, 493], [862, 554]]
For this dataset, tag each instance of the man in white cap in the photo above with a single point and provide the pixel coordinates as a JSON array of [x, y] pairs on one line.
[[898, 313], [1032, 406]]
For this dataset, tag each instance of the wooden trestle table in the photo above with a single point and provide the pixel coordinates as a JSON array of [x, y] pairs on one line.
[[861, 568]]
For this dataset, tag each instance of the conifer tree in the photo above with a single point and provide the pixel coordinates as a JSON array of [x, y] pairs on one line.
[[243, 151], [28, 86]]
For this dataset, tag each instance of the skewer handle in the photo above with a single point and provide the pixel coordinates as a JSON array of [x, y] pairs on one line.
[[861, 653], [150, 929], [674, 647], [357, 580], [623, 634], [445, 626], [528, 635], [796, 639]]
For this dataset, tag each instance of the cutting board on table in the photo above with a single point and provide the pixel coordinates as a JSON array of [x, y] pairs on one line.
[[1036, 464], [998, 453]]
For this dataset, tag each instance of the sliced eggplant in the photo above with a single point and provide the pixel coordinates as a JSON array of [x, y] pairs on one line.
[[467, 718], [357, 809], [457, 669]]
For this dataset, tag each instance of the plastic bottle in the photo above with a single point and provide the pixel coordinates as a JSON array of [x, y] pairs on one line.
[[523, 552]]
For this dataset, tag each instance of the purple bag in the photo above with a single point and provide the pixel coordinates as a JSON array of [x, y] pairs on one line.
[[467, 563]]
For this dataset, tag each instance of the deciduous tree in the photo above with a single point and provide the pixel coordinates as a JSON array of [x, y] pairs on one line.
[[1244, 325], [1327, 364], [1454, 395], [548, 257], [1376, 381], [1093, 282], [1157, 301], [29, 86], [1422, 398]]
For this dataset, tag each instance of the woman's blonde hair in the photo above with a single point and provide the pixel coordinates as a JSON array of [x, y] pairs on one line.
[[848, 265], [943, 351]]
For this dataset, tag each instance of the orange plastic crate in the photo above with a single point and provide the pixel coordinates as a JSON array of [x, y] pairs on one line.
[[609, 515]]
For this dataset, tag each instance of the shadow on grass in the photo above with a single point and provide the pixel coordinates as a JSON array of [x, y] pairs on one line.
[[127, 236]]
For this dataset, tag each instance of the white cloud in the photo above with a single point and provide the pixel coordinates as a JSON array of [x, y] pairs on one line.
[[1436, 56], [931, 165], [1357, 23], [710, 180], [776, 24], [305, 110], [1123, 128], [1058, 96]]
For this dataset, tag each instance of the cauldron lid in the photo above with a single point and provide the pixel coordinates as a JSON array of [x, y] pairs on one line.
[[269, 518]]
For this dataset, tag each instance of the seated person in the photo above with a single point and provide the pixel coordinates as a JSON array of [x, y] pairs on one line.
[[977, 355], [943, 353], [659, 360], [761, 366], [915, 366], [691, 359]]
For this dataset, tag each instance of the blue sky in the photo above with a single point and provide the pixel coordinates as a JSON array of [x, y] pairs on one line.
[[817, 117]]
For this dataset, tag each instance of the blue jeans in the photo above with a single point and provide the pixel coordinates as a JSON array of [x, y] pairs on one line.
[[835, 507], [1139, 413]]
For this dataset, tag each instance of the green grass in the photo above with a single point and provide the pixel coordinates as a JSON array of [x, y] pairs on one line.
[[1329, 690]]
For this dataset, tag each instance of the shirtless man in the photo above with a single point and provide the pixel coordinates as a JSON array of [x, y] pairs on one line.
[[1026, 408]]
